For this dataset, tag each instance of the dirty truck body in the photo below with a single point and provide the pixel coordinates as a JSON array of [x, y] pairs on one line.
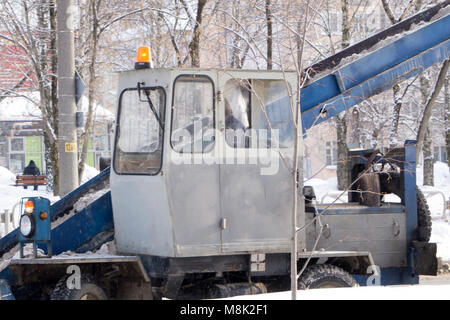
[[200, 205]]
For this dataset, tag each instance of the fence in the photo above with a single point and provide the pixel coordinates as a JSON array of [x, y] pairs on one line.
[[9, 220]]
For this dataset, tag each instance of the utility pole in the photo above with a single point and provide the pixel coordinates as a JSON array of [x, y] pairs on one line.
[[67, 140]]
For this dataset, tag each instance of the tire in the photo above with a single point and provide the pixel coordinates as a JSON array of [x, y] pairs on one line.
[[391, 183], [369, 186], [322, 276], [89, 290], [425, 223]]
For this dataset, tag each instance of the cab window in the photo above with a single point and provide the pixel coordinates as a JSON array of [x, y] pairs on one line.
[[193, 120], [258, 114], [139, 135]]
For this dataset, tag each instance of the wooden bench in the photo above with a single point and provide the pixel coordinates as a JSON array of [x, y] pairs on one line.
[[32, 181]]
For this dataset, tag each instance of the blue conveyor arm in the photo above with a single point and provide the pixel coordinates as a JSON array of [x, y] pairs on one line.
[[376, 72]]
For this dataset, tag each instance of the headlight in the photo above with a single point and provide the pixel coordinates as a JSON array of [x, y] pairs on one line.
[[27, 226]]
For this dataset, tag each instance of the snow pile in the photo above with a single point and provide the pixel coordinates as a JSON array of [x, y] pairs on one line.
[[28, 252], [441, 187], [326, 190], [106, 250], [88, 173], [441, 236], [7, 177]]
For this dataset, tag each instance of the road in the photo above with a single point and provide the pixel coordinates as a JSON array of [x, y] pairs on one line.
[[439, 280]]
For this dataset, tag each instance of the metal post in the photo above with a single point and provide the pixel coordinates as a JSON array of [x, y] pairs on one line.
[[7, 217], [410, 196], [68, 155]]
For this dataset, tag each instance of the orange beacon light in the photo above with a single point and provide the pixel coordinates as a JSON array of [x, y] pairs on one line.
[[143, 59]]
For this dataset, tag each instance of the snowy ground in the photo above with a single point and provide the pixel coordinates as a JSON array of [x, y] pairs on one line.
[[421, 292]]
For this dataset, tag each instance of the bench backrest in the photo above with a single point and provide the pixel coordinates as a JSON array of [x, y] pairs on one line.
[[31, 180]]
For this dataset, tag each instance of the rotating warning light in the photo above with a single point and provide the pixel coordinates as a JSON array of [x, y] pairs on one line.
[[143, 59]]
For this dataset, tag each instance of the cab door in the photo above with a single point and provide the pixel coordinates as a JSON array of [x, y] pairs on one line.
[[257, 135], [193, 165]]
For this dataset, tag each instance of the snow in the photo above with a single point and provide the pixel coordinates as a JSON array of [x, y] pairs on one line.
[[421, 292], [26, 107], [6, 177], [88, 173]]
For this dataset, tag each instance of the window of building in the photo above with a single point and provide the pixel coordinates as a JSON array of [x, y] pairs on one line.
[[193, 120], [335, 23], [331, 153], [24, 149], [440, 154]]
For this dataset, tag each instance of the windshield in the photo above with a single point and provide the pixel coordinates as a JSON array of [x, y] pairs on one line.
[[139, 136]]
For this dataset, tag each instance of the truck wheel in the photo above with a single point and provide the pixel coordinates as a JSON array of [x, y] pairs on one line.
[[89, 290], [322, 276], [425, 223]]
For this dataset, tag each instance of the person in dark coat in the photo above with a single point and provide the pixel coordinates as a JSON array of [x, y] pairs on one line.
[[31, 170]]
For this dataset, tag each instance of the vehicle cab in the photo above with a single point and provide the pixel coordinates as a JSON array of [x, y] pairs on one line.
[[202, 161]]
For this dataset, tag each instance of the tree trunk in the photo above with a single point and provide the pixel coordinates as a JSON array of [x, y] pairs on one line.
[[92, 75], [52, 159], [269, 35], [342, 150], [341, 121], [428, 160], [429, 103], [194, 47], [398, 102]]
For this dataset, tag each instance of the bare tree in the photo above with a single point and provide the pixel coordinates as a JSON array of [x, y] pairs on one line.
[[30, 26], [424, 131], [269, 34], [341, 120]]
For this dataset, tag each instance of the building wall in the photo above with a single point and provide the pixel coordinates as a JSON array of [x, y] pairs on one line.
[[320, 163], [23, 141], [20, 142]]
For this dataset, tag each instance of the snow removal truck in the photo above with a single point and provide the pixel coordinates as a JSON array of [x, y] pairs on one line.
[[199, 195]]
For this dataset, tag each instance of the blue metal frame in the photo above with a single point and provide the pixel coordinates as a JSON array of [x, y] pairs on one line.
[[5, 291], [42, 230], [410, 185], [79, 233], [390, 276], [375, 72]]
